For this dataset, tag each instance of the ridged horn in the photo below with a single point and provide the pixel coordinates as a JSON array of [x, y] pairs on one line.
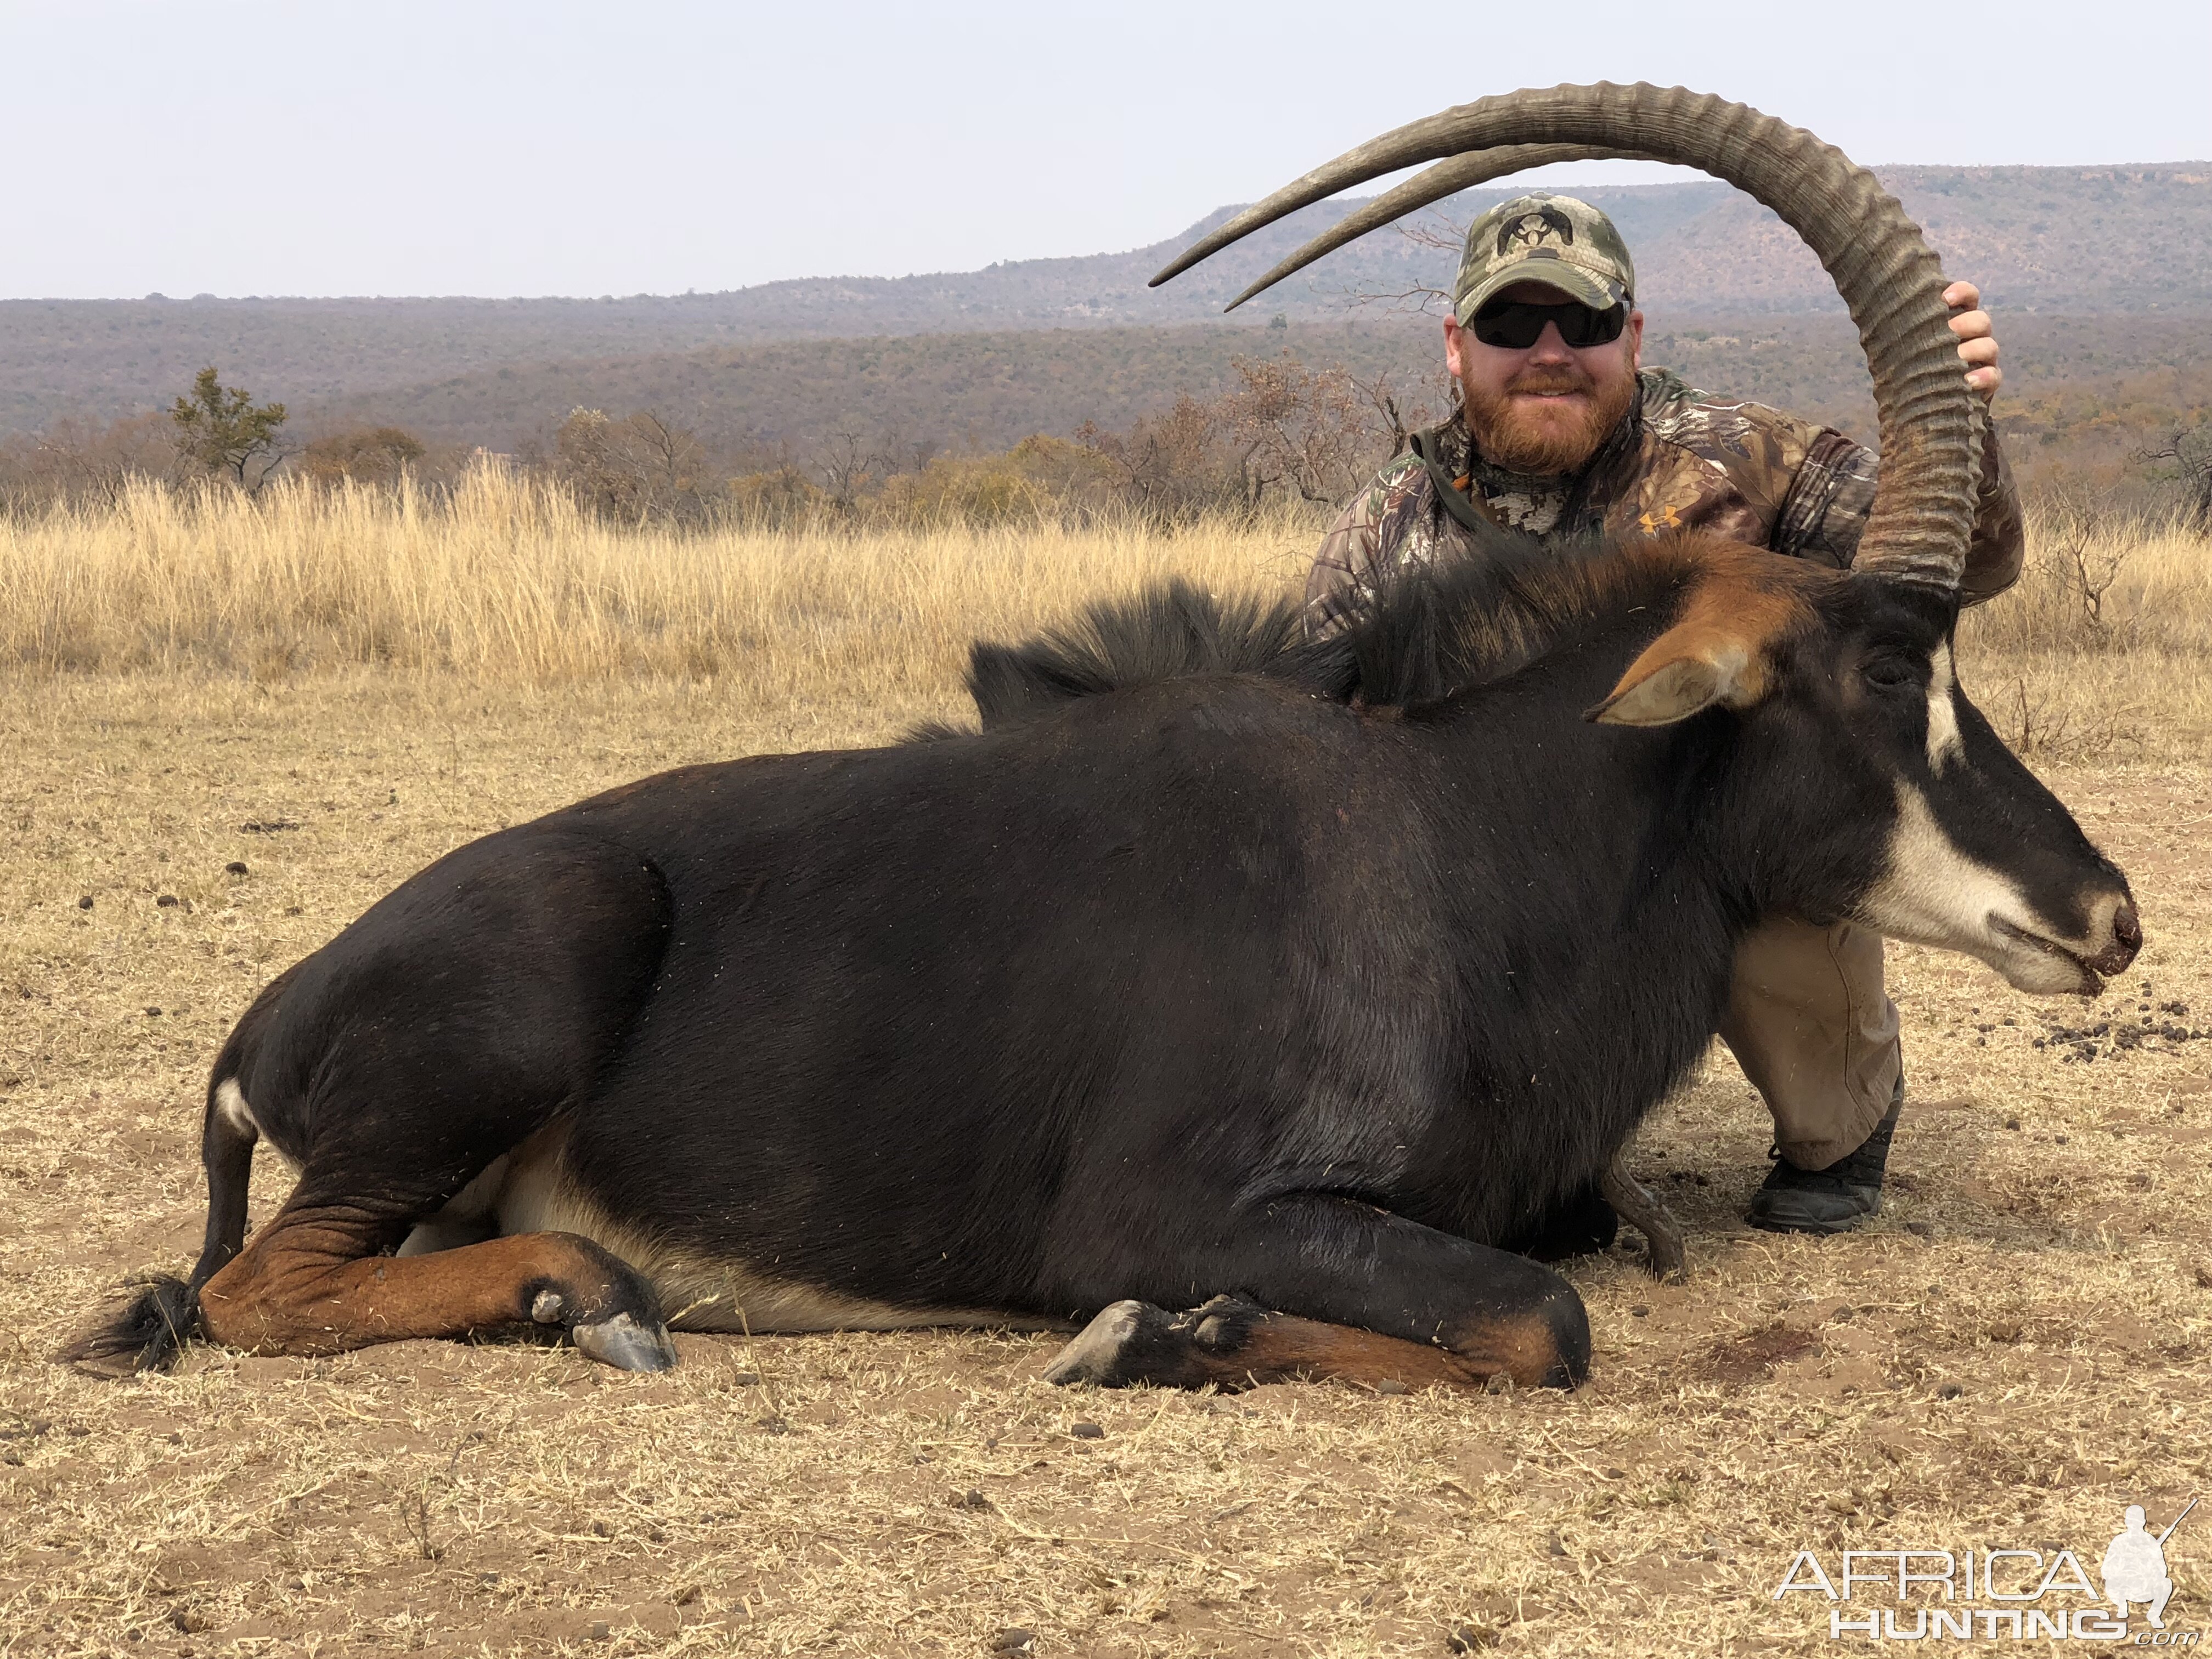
[[1432, 185], [1923, 508]]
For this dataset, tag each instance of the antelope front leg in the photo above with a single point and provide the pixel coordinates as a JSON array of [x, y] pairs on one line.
[[1323, 1286]]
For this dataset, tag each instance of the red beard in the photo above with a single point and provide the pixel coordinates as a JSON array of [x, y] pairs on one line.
[[1513, 430]]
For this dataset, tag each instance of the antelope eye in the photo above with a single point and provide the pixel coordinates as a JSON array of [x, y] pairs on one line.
[[1890, 673]]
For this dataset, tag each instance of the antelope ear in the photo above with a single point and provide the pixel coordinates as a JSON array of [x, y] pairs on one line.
[[1744, 604], [1686, 670]]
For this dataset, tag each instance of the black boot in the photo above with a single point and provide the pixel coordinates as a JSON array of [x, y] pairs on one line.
[[1830, 1200]]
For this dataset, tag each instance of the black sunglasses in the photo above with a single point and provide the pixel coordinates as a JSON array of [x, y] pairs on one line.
[[1517, 325]]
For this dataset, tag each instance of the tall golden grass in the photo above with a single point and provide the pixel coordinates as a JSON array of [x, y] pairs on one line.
[[506, 581], [2101, 584], [2104, 650]]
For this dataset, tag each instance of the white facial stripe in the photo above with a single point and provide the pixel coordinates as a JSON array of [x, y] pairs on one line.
[[1932, 893], [1944, 744]]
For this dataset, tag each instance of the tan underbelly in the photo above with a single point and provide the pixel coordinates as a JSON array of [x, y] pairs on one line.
[[699, 1294]]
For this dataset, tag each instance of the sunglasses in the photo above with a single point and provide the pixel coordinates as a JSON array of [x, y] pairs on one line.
[[1517, 325]]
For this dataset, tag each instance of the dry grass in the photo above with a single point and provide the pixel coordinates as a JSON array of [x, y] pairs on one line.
[[509, 584], [506, 584], [813, 1494], [2102, 584], [2103, 649]]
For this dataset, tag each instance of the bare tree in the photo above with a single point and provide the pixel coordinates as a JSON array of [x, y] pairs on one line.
[[776, 496], [378, 455], [1311, 431], [643, 466], [1431, 232], [1384, 402], [671, 453], [2086, 559], [847, 466], [1314, 434], [585, 455], [2191, 453], [1170, 466], [78, 460]]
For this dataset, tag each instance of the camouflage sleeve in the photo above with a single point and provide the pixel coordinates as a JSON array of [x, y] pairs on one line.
[[2000, 543], [1828, 502], [1826, 510], [1385, 525], [1345, 574]]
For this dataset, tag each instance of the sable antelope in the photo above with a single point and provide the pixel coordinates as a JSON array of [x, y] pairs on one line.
[[1290, 984]]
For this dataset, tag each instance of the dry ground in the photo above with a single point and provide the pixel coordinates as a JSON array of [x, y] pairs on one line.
[[2015, 1351]]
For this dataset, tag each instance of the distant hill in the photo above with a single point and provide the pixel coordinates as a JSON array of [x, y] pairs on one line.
[[968, 389], [2079, 241], [987, 391]]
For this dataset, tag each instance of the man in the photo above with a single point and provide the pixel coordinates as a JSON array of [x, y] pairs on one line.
[[1561, 434], [2135, 1569]]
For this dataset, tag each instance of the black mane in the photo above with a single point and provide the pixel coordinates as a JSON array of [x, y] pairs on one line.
[[1432, 632], [1166, 632]]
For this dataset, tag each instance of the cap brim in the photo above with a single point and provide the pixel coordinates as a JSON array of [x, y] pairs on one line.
[[1598, 293]]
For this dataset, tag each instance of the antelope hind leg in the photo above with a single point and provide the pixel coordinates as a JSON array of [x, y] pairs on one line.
[[305, 1286]]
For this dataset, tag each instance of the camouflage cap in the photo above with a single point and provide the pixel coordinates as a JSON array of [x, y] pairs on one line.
[[1553, 240]]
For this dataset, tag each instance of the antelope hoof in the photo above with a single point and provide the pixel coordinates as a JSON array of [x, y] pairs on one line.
[[1643, 1210], [1100, 1351], [627, 1346]]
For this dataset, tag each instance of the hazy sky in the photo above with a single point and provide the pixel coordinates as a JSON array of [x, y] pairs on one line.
[[497, 149]]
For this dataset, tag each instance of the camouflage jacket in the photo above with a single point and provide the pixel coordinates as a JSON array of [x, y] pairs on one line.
[[1682, 460]]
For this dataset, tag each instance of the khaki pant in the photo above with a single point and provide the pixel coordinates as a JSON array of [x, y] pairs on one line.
[[1810, 1024]]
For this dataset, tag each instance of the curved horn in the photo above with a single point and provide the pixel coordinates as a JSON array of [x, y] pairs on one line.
[[1432, 185], [1923, 508], [1467, 171]]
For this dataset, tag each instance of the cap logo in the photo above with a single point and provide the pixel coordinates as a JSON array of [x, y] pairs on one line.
[[1533, 230]]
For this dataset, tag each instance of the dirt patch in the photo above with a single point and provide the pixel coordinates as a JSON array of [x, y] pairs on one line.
[[2013, 1352], [1756, 1354]]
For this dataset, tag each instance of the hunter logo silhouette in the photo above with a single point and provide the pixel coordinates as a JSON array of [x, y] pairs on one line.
[[1535, 229], [2134, 1566]]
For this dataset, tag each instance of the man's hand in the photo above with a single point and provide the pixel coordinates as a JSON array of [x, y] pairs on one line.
[[1977, 345]]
